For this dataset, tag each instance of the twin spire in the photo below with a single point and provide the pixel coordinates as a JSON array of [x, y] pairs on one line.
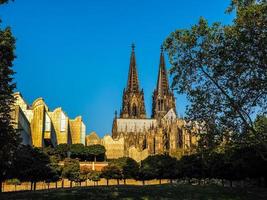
[[162, 82], [133, 84]]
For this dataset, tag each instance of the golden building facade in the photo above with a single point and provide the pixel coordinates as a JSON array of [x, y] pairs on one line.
[[45, 127]]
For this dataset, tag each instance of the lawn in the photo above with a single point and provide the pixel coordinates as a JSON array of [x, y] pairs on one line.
[[167, 191]]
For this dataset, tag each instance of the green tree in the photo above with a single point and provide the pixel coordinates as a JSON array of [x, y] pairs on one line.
[[128, 167], [94, 176], [78, 151], [62, 150], [96, 151], [157, 167], [71, 170], [9, 138], [222, 69], [55, 171], [111, 172], [31, 164]]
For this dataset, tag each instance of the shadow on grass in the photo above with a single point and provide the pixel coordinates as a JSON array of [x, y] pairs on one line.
[[166, 191]]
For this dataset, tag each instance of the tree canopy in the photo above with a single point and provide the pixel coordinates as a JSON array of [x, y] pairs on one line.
[[223, 70]]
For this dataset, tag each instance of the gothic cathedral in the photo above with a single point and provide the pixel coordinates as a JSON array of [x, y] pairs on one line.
[[164, 132]]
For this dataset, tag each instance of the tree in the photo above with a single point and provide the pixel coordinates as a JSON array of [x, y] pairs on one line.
[[9, 138], [111, 172], [223, 69], [31, 164], [191, 166], [96, 150], [157, 167], [94, 176], [55, 171], [62, 150], [128, 167], [4, 1], [71, 170], [78, 151]]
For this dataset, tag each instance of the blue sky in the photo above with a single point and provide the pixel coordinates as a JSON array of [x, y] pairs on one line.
[[75, 54]]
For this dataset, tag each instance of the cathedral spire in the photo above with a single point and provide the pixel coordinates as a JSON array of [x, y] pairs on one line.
[[163, 98], [132, 83], [162, 83]]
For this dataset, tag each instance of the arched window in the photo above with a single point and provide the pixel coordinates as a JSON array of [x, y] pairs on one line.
[[134, 111]]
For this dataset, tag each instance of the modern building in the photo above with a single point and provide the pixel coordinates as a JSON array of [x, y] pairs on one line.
[[41, 127]]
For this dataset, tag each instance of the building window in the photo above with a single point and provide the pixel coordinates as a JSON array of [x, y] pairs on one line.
[[63, 122], [47, 123]]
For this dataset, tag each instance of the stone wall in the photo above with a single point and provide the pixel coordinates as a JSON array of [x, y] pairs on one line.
[[138, 155], [114, 148]]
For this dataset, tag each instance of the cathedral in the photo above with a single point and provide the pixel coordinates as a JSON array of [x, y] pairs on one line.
[[164, 132]]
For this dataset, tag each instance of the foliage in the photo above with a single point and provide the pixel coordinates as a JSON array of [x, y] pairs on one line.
[[62, 151], [78, 151], [223, 70], [55, 170], [94, 176], [158, 167], [97, 151], [9, 137], [71, 169], [111, 172], [4, 1], [128, 167], [31, 164]]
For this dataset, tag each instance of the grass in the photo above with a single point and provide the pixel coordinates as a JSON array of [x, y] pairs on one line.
[[166, 191]]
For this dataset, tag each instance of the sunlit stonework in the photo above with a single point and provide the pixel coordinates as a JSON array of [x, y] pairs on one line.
[[133, 133], [41, 127], [164, 132]]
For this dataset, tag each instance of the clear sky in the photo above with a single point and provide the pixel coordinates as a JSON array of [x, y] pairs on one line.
[[75, 54]]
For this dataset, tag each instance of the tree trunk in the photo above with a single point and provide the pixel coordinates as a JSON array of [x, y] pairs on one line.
[[71, 184], [62, 183], [31, 186], [107, 182], [118, 181], [160, 181], [199, 182], [34, 186], [86, 183], [124, 181], [223, 182], [231, 183], [97, 183], [1, 185], [56, 184], [143, 182], [171, 181], [48, 184]]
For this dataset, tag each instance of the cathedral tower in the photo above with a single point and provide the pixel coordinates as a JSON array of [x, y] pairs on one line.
[[163, 98], [133, 105]]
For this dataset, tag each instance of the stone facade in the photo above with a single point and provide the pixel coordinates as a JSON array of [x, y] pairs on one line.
[[164, 132], [41, 127], [92, 139], [114, 148]]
